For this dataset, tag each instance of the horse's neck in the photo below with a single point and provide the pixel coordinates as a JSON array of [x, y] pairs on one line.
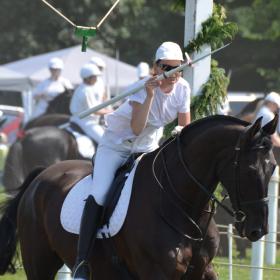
[[200, 154]]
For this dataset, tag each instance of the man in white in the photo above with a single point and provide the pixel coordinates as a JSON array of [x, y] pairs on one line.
[[87, 96], [100, 79], [268, 110], [50, 88]]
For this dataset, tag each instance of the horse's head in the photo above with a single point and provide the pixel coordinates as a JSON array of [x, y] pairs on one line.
[[245, 173]]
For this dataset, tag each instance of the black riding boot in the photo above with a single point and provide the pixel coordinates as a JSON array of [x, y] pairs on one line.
[[91, 219]]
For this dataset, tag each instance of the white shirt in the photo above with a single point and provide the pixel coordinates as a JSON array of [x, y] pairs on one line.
[[266, 114], [51, 88], [84, 98], [164, 109], [100, 87]]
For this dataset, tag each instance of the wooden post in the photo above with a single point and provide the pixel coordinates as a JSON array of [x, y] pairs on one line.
[[197, 11]]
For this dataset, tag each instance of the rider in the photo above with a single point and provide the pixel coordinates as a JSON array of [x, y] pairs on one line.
[[99, 62], [47, 90], [130, 129], [268, 110], [86, 96]]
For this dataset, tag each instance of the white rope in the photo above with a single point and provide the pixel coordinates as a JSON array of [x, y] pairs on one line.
[[108, 13], [79, 26], [59, 13]]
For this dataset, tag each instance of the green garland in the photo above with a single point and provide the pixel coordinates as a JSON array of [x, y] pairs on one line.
[[214, 32]]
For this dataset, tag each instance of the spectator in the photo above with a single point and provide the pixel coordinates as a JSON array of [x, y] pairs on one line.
[[50, 88], [268, 110]]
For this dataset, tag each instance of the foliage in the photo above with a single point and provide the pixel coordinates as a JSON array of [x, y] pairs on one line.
[[214, 32], [259, 21], [214, 92], [272, 77]]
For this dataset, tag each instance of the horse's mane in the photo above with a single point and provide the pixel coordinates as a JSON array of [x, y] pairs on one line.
[[227, 120]]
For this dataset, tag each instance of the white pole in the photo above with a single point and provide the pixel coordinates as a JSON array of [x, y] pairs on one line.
[[64, 273], [257, 259], [230, 232], [197, 11], [271, 247], [117, 72], [139, 86], [27, 104]]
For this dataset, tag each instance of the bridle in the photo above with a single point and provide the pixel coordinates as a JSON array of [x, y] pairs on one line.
[[238, 215]]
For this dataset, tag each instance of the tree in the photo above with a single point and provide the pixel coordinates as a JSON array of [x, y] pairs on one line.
[[135, 28]]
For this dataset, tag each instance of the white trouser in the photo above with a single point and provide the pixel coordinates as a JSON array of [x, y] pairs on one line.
[[107, 160], [94, 130]]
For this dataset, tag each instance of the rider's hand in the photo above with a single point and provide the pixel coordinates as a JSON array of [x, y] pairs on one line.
[[150, 85]]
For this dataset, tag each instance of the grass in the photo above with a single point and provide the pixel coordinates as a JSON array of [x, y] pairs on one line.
[[238, 273]]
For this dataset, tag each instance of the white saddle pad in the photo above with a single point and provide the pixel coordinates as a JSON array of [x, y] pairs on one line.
[[73, 205], [85, 145]]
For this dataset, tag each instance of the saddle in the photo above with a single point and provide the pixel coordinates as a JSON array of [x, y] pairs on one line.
[[117, 186]]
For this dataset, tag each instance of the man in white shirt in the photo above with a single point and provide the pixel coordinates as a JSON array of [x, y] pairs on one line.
[[100, 79], [268, 110], [50, 88], [87, 96]]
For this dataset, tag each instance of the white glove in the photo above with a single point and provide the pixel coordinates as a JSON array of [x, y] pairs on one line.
[[176, 130]]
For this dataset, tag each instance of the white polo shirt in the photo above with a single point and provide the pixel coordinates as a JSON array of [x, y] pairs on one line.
[[266, 114], [164, 109], [84, 98], [51, 88]]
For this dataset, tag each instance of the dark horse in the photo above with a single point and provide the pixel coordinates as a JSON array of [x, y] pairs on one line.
[[161, 238], [40, 146], [57, 113]]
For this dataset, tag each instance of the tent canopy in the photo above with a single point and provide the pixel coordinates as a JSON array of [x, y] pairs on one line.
[[118, 75], [13, 81]]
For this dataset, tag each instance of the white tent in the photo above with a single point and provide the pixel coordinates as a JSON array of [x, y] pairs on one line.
[[13, 81], [118, 75]]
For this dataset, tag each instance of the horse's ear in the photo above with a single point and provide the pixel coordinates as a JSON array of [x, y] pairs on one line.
[[254, 128], [271, 126], [251, 131]]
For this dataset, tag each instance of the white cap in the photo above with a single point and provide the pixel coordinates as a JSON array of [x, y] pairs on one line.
[[89, 70], [98, 61], [143, 69], [273, 97], [56, 63], [169, 51]]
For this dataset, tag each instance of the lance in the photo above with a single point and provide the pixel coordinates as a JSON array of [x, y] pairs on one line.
[[140, 86]]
